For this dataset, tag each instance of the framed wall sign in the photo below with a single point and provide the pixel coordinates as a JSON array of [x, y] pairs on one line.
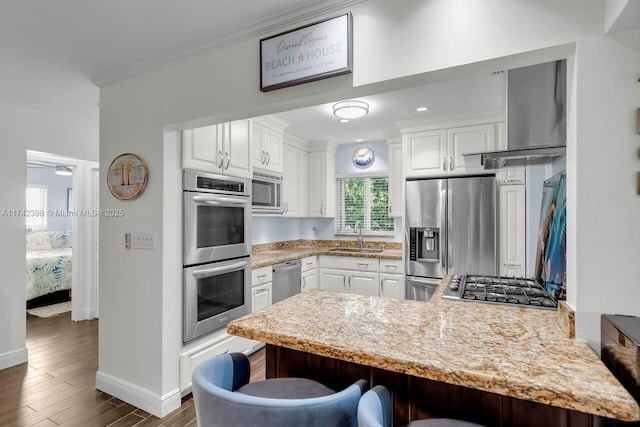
[[309, 53], [127, 176]]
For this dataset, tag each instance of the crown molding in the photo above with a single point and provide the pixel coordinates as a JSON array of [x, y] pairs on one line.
[[273, 24]]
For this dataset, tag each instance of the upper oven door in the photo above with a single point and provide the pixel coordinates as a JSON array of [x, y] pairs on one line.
[[216, 227]]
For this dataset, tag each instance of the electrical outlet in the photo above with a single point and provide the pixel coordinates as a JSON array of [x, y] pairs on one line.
[[143, 240]]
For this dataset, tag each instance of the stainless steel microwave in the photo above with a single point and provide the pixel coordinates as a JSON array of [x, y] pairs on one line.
[[266, 194]]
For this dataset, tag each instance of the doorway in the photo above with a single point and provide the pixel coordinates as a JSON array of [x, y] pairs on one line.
[[67, 231]]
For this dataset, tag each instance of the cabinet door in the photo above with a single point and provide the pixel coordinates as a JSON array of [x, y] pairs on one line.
[[392, 286], [396, 207], [272, 145], [290, 181], [309, 280], [258, 155], [236, 149], [512, 230], [303, 181], [261, 297], [317, 184], [333, 280], [364, 283], [200, 148], [425, 153], [469, 139]]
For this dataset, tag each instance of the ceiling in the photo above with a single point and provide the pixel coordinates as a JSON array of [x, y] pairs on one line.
[[56, 54]]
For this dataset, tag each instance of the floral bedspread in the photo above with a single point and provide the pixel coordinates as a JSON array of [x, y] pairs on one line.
[[48, 271]]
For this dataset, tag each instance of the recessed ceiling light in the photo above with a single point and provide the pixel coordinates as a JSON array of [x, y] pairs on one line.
[[344, 120], [359, 139], [422, 108]]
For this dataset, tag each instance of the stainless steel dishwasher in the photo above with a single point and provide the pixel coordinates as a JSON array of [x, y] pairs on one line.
[[286, 280]]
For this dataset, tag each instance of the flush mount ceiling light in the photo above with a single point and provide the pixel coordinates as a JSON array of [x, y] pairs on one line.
[[350, 109], [63, 170]]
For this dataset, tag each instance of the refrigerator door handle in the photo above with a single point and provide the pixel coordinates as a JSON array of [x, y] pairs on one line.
[[449, 231]]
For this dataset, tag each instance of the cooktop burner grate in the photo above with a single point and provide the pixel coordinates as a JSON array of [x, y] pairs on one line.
[[500, 290]]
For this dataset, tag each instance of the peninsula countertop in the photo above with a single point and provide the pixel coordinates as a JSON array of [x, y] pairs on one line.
[[511, 351]]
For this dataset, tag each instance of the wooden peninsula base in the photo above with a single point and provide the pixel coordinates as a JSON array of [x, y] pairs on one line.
[[417, 398]]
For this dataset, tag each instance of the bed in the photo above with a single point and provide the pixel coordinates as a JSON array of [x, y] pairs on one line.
[[48, 264]]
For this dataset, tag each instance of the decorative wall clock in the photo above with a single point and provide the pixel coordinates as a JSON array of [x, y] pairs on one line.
[[363, 156], [127, 176]]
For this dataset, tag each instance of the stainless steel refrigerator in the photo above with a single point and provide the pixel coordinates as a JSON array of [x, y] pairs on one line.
[[450, 228]]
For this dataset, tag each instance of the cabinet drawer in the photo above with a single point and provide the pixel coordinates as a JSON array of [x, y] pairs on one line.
[[261, 275], [309, 263], [191, 359], [391, 266], [350, 263]]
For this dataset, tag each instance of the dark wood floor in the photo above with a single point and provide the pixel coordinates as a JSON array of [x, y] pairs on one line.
[[57, 386]]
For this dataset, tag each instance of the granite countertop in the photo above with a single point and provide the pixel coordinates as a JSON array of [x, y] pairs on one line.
[[275, 256], [512, 351]]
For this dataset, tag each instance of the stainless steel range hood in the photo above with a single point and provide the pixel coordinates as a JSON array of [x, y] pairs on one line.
[[536, 118]]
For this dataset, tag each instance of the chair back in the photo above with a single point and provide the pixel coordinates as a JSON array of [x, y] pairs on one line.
[[374, 408], [218, 405]]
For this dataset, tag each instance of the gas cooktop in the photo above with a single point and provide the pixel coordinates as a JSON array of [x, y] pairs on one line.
[[499, 290]]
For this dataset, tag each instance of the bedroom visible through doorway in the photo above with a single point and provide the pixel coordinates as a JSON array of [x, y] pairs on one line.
[[61, 236]]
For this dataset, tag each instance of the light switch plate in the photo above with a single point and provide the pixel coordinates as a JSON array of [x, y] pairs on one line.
[[143, 240]]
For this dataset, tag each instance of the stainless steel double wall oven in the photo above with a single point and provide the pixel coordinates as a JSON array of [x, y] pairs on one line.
[[216, 251]]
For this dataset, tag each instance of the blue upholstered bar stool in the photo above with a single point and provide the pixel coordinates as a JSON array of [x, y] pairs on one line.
[[374, 410], [224, 398]]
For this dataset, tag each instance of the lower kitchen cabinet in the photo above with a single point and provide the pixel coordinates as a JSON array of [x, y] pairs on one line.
[[392, 285], [261, 296], [309, 276], [219, 343]]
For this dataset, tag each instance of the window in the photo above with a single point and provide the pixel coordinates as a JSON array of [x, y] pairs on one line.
[[37, 207], [364, 199]]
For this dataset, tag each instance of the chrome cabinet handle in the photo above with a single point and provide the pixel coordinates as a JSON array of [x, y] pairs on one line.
[[451, 167], [268, 158], [261, 291], [304, 282], [262, 276], [382, 284], [363, 264], [444, 163], [264, 157], [228, 160], [321, 206], [391, 267], [219, 159]]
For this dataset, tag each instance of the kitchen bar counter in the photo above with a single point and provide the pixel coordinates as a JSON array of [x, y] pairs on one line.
[[503, 350]]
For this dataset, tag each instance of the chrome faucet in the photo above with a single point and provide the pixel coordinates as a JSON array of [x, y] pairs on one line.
[[356, 228]]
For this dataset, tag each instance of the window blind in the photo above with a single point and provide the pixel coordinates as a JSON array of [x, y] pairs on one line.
[[364, 199]]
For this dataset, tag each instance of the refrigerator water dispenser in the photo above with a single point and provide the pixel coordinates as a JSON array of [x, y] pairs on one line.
[[424, 244]]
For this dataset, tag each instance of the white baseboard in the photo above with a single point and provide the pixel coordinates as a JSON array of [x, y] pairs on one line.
[[13, 358], [153, 403]]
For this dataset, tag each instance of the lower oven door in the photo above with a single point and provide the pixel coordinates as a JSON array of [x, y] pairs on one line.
[[215, 294]]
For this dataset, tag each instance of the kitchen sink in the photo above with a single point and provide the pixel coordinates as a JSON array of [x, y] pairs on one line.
[[356, 250]]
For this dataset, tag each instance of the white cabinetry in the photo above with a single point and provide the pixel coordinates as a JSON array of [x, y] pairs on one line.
[[295, 181], [511, 200], [396, 205], [355, 275], [436, 147], [261, 296], [266, 143], [309, 278], [391, 279], [219, 343], [221, 148], [322, 180]]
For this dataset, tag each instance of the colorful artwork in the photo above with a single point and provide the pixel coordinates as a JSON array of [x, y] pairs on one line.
[[551, 263]]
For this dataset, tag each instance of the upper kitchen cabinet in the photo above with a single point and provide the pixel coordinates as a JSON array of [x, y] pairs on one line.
[[396, 182], [295, 177], [221, 148], [322, 180], [436, 147], [267, 143]]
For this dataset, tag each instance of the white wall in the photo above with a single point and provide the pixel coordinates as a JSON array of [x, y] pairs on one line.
[[434, 40], [603, 227], [25, 128]]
